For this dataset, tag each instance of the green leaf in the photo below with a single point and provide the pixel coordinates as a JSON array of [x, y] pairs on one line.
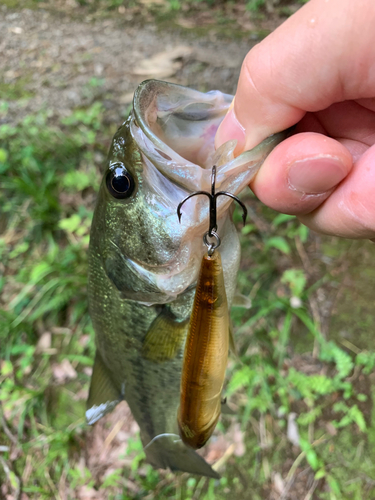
[[78, 181], [3, 155], [296, 280], [79, 358], [362, 397], [70, 224], [112, 479], [351, 415], [357, 416], [13, 479], [19, 249], [279, 243], [40, 271], [310, 417], [303, 232], [312, 459], [249, 228], [241, 378], [6, 368], [311, 456], [331, 352], [320, 473], [281, 218], [304, 444], [334, 485], [367, 359]]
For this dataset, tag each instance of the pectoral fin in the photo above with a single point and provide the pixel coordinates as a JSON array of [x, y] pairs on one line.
[[103, 395], [164, 338], [241, 301]]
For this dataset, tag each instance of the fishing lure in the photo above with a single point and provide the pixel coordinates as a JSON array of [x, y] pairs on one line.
[[207, 343]]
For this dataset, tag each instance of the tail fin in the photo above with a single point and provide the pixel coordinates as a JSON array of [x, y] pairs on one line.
[[168, 451]]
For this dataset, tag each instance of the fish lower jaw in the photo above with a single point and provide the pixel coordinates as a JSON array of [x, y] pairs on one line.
[[162, 294], [164, 298], [150, 304]]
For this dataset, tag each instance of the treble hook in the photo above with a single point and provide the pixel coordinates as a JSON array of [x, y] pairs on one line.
[[213, 209]]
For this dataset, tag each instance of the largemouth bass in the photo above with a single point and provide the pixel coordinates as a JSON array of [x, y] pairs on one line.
[[143, 264]]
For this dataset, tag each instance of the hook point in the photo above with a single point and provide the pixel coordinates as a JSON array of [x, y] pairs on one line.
[[244, 217], [179, 214]]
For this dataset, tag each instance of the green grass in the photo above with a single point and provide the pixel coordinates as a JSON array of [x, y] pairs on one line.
[[288, 362], [15, 90], [166, 9]]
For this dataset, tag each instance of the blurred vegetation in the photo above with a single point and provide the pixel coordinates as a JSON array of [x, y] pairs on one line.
[[49, 175], [292, 358], [254, 6]]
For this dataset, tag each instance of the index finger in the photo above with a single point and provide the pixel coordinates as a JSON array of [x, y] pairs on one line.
[[322, 54]]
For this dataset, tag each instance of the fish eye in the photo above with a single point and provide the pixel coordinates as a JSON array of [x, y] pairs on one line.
[[120, 183]]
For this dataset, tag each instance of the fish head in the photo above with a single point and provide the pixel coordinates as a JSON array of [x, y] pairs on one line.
[[162, 153]]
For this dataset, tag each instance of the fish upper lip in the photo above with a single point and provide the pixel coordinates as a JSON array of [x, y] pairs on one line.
[[148, 91], [175, 127]]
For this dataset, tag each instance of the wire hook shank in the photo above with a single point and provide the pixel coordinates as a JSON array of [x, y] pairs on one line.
[[213, 204]]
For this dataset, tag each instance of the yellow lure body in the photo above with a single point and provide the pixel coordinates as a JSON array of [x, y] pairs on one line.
[[205, 356]]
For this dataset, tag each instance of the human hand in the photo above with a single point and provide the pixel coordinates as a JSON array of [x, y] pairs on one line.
[[317, 70]]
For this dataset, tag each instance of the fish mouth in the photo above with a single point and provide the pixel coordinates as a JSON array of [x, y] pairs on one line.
[[174, 128], [180, 122]]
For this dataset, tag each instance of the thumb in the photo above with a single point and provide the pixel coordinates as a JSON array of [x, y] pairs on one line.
[[322, 54]]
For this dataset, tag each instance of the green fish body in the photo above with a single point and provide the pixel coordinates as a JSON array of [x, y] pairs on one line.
[[143, 264]]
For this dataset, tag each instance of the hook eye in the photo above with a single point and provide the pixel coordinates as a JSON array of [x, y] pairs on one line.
[[211, 247]]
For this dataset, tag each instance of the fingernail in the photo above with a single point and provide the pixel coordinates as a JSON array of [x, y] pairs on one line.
[[229, 129], [316, 175]]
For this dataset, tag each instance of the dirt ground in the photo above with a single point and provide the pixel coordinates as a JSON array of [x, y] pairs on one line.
[[61, 61]]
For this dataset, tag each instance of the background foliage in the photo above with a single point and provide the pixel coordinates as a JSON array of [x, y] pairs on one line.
[[301, 387]]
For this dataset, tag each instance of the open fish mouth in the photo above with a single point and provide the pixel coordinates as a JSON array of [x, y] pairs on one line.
[[173, 130], [178, 127], [175, 127]]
